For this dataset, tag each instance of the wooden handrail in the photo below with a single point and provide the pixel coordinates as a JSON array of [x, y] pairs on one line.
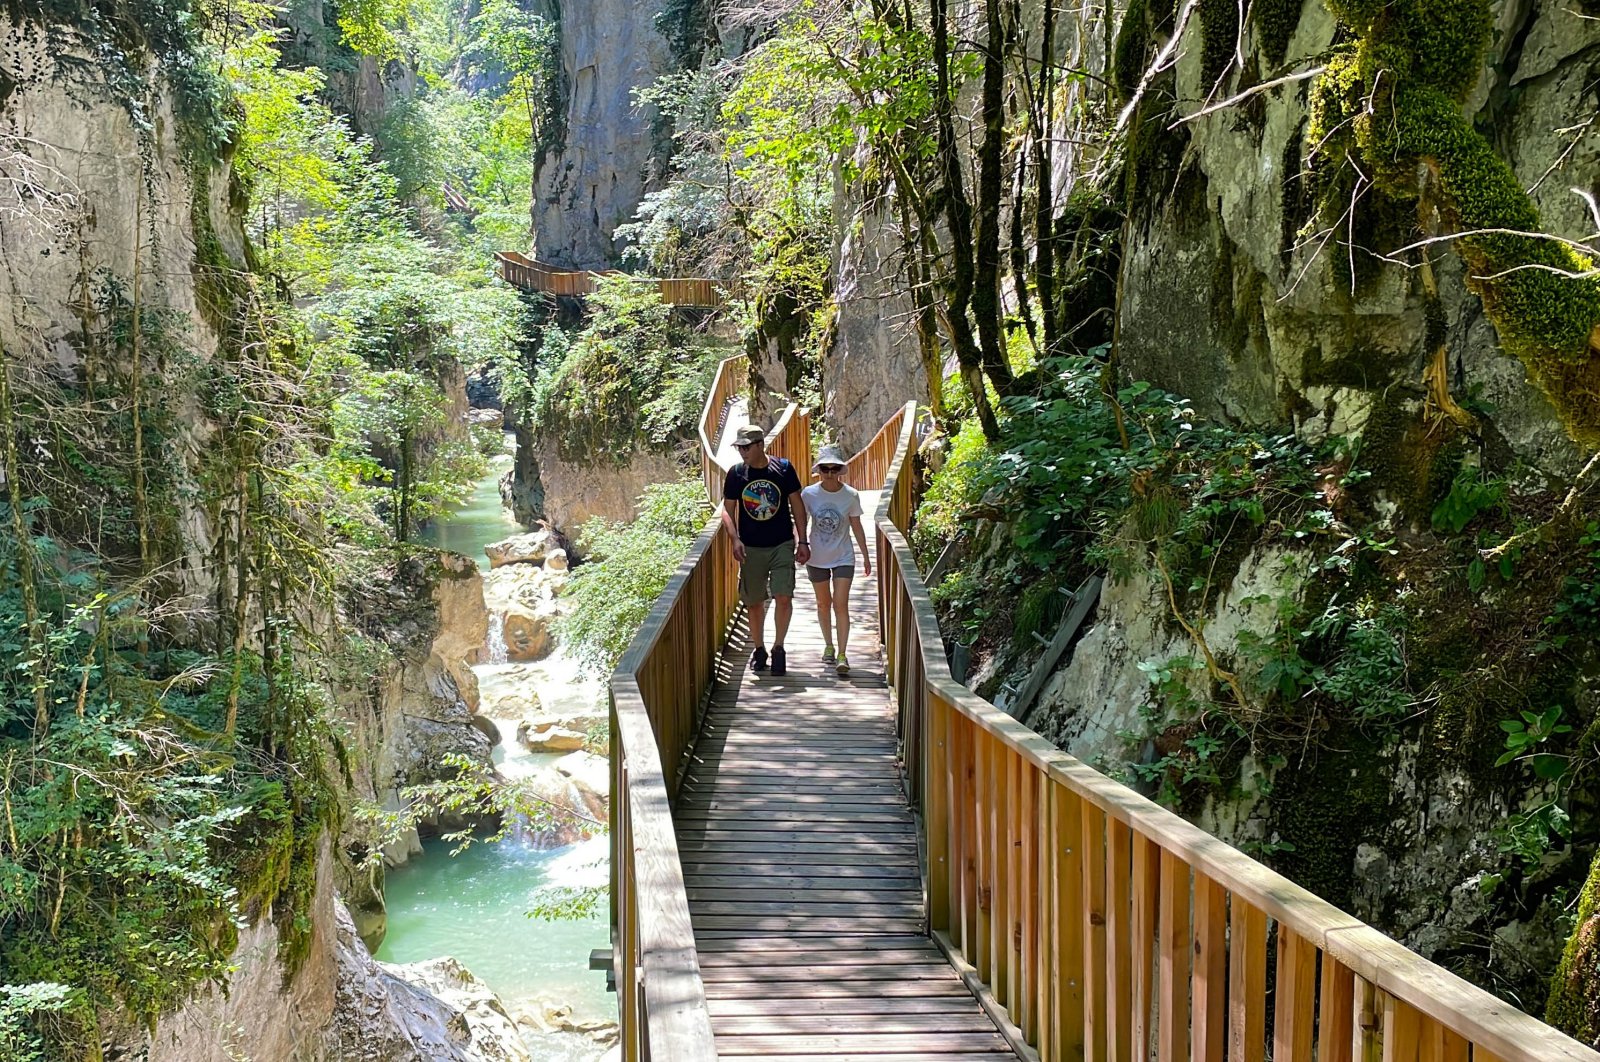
[[790, 438], [656, 692], [732, 376], [1108, 927], [869, 468], [530, 274]]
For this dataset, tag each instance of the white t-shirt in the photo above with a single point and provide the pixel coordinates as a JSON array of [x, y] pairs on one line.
[[830, 513]]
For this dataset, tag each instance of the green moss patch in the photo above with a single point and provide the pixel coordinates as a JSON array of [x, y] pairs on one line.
[[1389, 106]]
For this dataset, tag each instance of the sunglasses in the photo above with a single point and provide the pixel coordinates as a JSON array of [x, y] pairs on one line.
[[830, 468], [742, 446]]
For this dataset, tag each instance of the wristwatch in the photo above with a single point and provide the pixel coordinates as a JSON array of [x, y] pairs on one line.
[[802, 542]]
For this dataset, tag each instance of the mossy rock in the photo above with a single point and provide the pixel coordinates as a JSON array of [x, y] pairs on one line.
[[1389, 104], [1574, 1002]]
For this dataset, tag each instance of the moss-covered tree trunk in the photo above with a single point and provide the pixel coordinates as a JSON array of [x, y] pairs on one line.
[[1574, 1004]]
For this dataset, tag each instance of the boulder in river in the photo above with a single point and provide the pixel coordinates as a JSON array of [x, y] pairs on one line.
[[479, 1022], [591, 777], [548, 736], [387, 1013], [528, 548], [507, 692], [527, 634], [547, 1017]]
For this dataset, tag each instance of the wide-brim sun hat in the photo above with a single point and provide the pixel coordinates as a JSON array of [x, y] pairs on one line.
[[829, 455]]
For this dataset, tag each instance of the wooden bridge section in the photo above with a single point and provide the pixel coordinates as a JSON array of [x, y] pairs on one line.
[[774, 895], [800, 863], [532, 275]]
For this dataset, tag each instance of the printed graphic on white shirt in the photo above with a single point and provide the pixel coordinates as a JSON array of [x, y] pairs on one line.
[[830, 524]]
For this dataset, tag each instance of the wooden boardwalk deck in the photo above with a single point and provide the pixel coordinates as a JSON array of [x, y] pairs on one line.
[[800, 859]]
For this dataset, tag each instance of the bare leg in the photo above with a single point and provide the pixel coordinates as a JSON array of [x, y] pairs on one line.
[[841, 612], [758, 615], [824, 610], [780, 620]]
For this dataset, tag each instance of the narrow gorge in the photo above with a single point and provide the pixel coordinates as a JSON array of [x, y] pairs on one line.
[[1255, 350]]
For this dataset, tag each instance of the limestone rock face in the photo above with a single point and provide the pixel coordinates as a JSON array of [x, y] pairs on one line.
[[1222, 304], [874, 364], [543, 485], [593, 181], [260, 1015]]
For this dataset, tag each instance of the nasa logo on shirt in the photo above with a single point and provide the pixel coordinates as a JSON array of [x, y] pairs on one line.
[[761, 499]]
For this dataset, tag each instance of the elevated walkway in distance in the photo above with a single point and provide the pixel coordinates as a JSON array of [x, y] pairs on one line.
[[532, 275]]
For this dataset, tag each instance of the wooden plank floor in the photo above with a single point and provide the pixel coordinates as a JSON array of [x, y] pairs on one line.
[[800, 857]]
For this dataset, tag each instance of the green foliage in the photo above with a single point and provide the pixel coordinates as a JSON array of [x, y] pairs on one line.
[[123, 808], [628, 566], [1471, 493], [23, 1010], [1525, 735], [633, 377], [1578, 609], [1352, 657]]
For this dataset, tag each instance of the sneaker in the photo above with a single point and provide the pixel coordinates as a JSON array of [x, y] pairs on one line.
[[779, 661], [758, 659], [827, 655], [843, 666]]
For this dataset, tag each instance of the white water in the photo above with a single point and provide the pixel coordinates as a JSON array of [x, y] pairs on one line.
[[474, 906]]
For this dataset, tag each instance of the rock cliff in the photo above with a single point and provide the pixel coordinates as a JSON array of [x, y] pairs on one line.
[[593, 179]]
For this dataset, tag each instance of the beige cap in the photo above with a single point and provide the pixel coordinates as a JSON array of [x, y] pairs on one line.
[[750, 433]]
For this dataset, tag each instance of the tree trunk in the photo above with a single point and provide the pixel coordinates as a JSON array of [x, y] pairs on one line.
[[958, 217], [986, 291], [1044, 266]]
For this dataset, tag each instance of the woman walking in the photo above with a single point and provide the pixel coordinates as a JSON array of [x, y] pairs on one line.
[[834, 511]]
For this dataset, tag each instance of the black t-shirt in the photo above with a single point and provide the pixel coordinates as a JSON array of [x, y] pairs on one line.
[[763, 497]]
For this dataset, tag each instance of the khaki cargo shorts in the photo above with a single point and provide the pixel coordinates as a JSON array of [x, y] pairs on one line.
[[767, 571]]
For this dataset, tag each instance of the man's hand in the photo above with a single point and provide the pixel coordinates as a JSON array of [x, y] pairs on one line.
[[802, 554], [738, 552]]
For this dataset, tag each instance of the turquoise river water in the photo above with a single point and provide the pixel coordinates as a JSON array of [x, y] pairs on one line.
[[474, 905]]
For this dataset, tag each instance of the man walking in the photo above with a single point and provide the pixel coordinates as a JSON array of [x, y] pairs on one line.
[[761, 507]]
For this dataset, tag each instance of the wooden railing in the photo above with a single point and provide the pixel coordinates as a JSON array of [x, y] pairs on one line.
[[731, 379], [1108, 928], [656, 694], [790, 438], [869, 468], [532, 275]]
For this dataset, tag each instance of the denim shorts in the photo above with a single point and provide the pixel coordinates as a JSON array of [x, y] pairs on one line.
[[822, 575]]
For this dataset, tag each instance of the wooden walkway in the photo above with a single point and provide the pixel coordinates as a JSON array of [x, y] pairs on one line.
[[800, 861]]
